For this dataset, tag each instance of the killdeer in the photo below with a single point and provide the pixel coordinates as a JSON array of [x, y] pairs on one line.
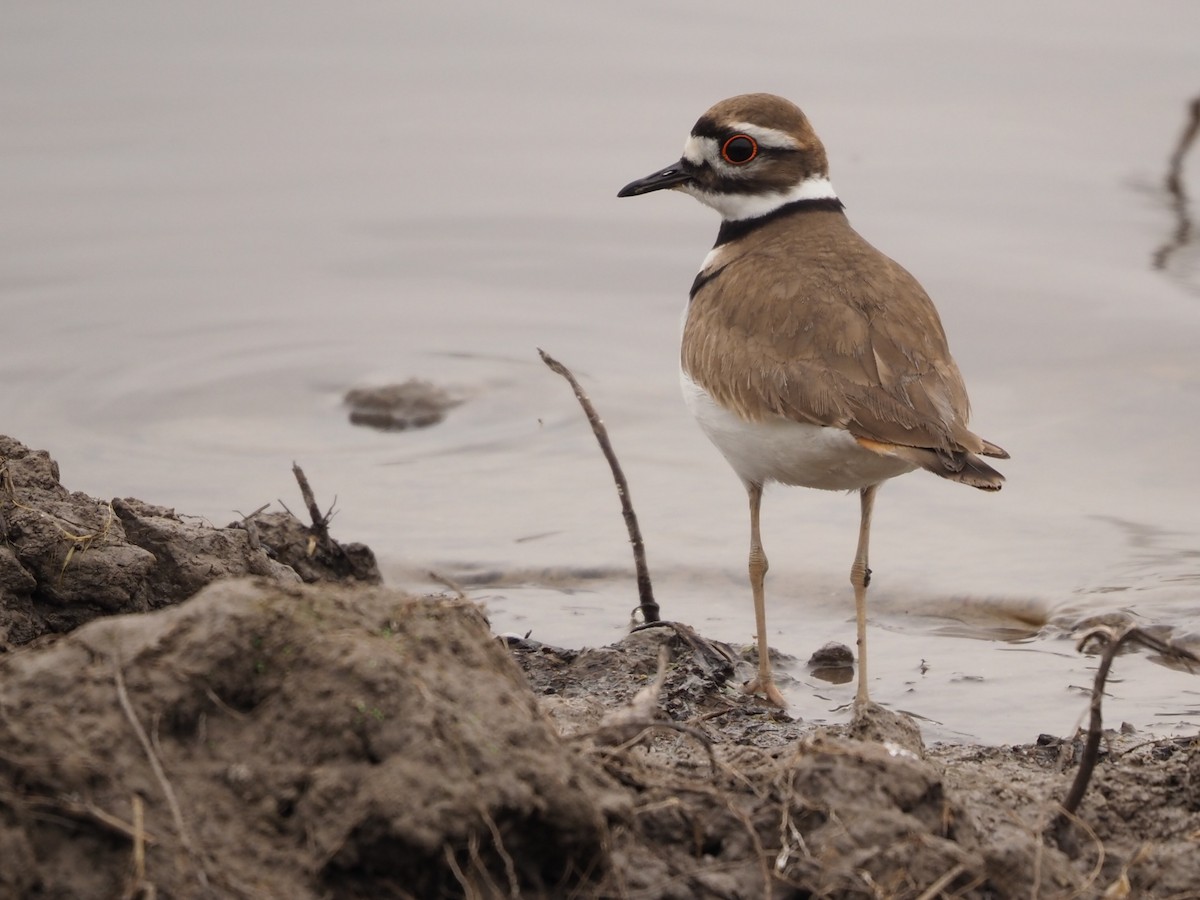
[[808, 357]]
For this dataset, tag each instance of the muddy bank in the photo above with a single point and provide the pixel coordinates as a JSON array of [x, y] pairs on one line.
[[67, 558], [259, 737]]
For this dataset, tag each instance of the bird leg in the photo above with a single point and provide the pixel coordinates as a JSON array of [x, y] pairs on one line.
[[765, 682], [860, 577]]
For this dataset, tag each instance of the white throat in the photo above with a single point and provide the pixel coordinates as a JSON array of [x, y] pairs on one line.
[[734, 207]]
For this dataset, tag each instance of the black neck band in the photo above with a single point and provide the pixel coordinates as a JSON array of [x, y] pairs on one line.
[[733, 230]]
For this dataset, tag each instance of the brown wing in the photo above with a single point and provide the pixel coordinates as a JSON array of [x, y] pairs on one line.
[[810, 322]]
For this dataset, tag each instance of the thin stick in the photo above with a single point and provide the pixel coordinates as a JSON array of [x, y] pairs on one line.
[[251, 528], [456, 870], [87, 812], [450, 583], [222, 705], [647, 604], [159, 774], [306, 492], [942, 883], [320, 523], [510, 869], [1091, 748], [139, 840], [1098, 846]]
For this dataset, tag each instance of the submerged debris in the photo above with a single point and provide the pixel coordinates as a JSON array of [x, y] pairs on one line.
[[415, 403]]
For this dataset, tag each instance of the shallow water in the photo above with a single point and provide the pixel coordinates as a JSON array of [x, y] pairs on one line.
[[217, 220]]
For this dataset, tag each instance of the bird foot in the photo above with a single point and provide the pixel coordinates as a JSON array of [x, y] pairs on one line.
[[865, 708], [766, 687]]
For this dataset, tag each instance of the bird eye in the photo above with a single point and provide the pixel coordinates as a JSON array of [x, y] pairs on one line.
[[739, 149]]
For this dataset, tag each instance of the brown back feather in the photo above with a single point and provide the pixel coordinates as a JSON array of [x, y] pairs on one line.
[[808, 321]]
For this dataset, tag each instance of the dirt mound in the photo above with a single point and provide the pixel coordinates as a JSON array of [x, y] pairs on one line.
[[66, 558], [316, 743]]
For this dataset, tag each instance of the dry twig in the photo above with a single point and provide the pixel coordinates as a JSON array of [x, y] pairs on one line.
[[251, 528], [510, 868], [139, 839], [319, 530], [647, 603], [75, 809], [139, 888], [942, 883], [159, 774], [1112, 641], [450, 583]]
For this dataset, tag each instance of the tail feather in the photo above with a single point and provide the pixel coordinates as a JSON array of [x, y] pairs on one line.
[[959, 465], [990, 449]]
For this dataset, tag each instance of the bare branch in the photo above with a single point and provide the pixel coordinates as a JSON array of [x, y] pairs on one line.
[[1112, 641], [647, 603]]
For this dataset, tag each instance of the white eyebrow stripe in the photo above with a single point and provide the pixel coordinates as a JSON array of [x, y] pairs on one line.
[[767, 137], [698, 149]]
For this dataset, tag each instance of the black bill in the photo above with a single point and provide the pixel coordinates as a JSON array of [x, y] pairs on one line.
[[667, 178]]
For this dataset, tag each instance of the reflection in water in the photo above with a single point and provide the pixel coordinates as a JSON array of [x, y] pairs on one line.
[[1178, 199]]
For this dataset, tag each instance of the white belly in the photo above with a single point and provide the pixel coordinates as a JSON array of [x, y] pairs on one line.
[[789, 452]]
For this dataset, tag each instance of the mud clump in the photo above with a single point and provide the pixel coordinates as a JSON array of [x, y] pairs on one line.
[[319, 742], [315, 557], [67, 558]]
